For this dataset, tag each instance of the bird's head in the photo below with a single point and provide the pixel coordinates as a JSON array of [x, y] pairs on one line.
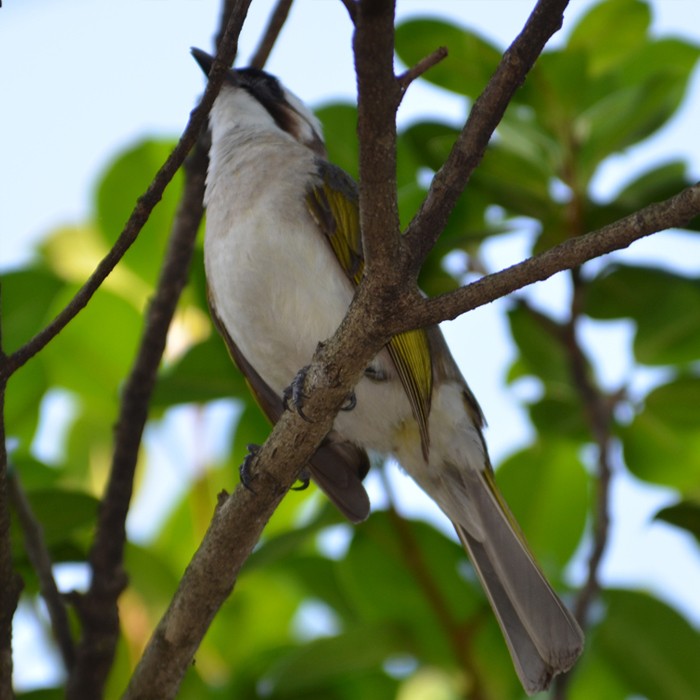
[[252, 97]]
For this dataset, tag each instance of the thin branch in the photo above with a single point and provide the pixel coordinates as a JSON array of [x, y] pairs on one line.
[[351, 7], [599, 412], [274, 27], [487, 112], [676, 212], [40, 559], [98, 607], [424, 65], [459, 635], [11, 585], [378, 97], [144, 205]]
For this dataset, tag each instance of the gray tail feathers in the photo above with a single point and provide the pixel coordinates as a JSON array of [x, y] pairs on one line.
[[542, 635]]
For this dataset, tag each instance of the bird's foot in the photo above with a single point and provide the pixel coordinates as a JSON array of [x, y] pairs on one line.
[[350, 402], [303, 481], [293, 396], [244, 470]]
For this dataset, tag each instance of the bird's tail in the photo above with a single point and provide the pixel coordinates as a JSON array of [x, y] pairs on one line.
[[542, 635]]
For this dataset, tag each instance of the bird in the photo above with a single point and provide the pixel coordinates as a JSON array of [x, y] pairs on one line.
[[283, 258]]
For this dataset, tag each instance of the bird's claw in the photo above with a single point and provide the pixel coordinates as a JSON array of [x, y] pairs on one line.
[[293, 396], [350, 402], [244, 470], [303, 482]]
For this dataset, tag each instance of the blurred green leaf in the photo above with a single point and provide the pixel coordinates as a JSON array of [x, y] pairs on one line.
[[341, 657], [340, 133], [650, 646], [470, 62], [662, 444], [27, 294], [541, 353], [684, 514], [662, 303], [66, 517], [204, 373], [610, 31], [547, 489], [120, 187]]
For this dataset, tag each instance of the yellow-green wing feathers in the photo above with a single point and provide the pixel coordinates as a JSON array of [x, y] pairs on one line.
[[333, 204]]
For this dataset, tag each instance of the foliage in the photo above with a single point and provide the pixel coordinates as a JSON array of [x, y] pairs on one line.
[[324, 610]]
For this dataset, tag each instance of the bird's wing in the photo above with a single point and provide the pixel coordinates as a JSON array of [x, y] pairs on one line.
[[337, 466], [334, 205]]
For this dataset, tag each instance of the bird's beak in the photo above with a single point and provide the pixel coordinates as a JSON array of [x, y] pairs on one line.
[[206, 62]]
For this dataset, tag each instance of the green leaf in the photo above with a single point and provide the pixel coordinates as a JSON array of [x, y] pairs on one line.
[[66, 518], [470, 62], [95, 351], [340, 133], [663, 304], [547, 489], [25, 391], [662, 444], [406, 553], [610, 31], [204, 373], [117, 193], [684, 514], [541, 354], [27, 295], [650, 646], [344, 656]]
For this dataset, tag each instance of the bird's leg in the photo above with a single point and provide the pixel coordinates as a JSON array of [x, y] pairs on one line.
[[244, 470], [293, 396]]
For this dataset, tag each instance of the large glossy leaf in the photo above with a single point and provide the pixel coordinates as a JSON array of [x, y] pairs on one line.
[[662, 444], [541, 354], [610, 31], [650, 646], [547, 489], [412, 558], [684, 514], [206, 372], [470, 62], [662, 303], [27, 295], [120, 187]]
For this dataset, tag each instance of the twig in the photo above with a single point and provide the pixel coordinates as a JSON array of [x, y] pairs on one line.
[[40, 559], [11, 585], [144, 205], [676, 212], [274, 27], [599, 411], [486, 114], [351, 7], [425, 64], [458, 635], [98, 607], [378, 97]]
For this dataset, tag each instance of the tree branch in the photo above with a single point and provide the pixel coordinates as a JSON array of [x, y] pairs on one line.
[[98, 607], [676, 212], [144, 205], [449, 182], [40, 559], [274, 27], [424, 65], [378, 97], [11, 583]]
